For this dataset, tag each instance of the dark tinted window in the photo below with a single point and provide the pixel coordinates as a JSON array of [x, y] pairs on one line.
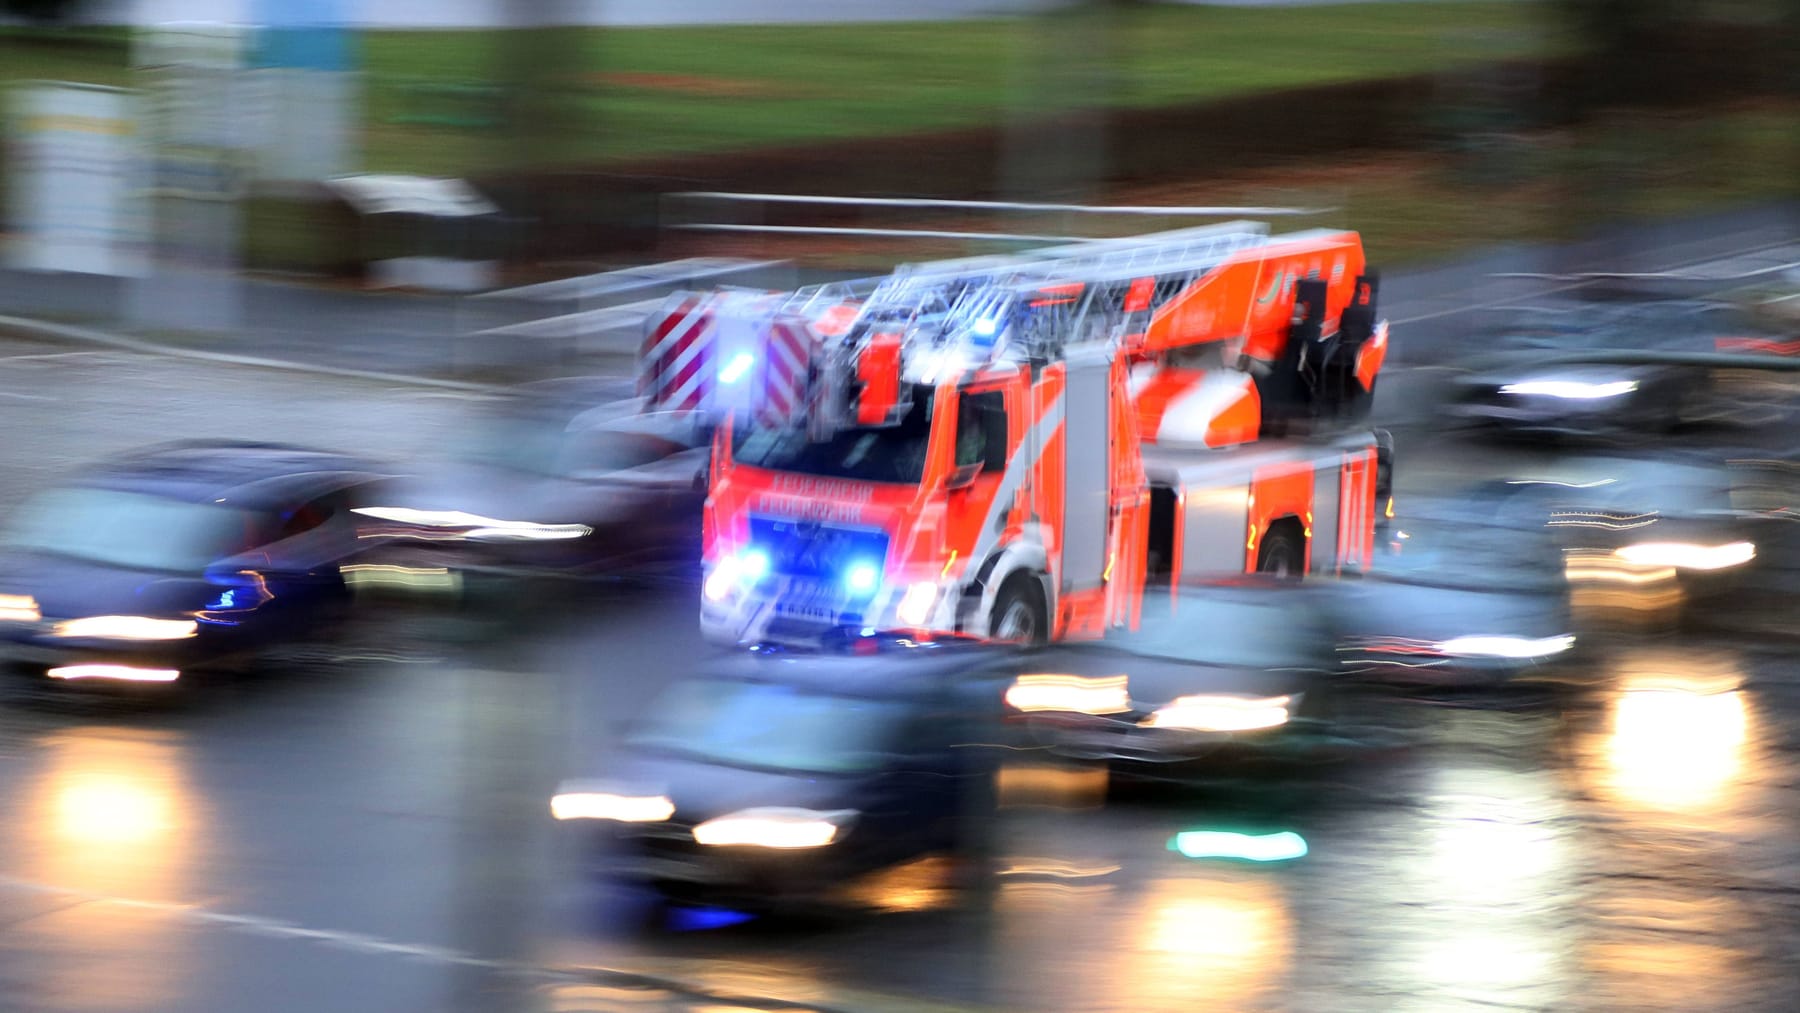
[[981, 430]]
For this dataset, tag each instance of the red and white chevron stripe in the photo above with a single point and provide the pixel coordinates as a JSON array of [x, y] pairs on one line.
[[788, 353], [677, 362]]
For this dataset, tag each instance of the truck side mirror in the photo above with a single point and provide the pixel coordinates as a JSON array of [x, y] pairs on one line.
[[964, 476]]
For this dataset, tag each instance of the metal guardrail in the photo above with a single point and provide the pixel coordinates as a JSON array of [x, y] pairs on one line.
[[825, 230], [571, 317], [943, 204], [631, 279], [575, 325], [985, 205]]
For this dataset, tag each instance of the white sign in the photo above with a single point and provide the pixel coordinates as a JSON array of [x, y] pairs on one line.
[[196, 131], [411, 195], [77, 179]]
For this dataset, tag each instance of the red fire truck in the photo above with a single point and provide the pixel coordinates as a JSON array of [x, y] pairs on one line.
[[1032, 446]]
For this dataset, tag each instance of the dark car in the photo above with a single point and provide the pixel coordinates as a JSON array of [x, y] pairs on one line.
[[1649, 532], [1220, 668], [773, 779], [565, 478], [1527, 375], [1466, 590], [180, 557]]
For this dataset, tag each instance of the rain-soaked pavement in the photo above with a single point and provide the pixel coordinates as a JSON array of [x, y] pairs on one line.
[[366, 830]]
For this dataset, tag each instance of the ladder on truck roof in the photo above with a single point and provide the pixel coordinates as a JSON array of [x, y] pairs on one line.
[[958, 298], [1191, 249]]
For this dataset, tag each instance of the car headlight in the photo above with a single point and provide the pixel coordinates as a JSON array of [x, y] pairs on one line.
[[1688, 555], [119, 673], [1505, 647], [601, 805], [19, 608], [477, 527], [774, 828], [1070, 693], [731, 572], [915, 606], [1221, 713], [1570, 390], [126, 628]]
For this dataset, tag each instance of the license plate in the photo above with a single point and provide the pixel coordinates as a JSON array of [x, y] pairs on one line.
[[818, 602]]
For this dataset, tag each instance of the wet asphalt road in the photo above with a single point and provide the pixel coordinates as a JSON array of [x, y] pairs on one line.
[[365, 829]]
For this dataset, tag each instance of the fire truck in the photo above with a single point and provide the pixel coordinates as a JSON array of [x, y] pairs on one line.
[[1032, 446]]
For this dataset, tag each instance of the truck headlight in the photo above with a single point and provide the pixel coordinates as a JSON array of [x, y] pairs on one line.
[[1688, 555], [1221, 713], [1069, 693], [734, 571], [915, 606], [774, 827]]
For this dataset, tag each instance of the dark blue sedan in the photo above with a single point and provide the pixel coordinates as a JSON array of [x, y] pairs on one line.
[[770, 779], [178, 558]]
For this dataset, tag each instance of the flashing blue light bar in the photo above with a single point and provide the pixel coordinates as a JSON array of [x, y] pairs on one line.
[[1278, 847], [755, 564], [862, 578], [734, 370], [986, 327]]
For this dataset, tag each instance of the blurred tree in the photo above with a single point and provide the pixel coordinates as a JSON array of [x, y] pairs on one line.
[[541, 66], [1620, 38], [47, 11]]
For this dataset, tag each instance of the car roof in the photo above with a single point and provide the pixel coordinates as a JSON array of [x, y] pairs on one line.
[[242, 474]]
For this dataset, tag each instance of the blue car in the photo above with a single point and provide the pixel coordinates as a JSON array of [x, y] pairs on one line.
[[772, 779], [180, 558]]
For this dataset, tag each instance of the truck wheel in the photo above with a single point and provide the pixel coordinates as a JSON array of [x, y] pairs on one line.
[[1283, 554], [1020, 615]]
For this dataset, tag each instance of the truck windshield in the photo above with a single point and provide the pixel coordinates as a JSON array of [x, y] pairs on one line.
[[893, 454]]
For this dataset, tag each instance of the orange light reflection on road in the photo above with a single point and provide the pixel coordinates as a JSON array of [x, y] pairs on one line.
[[1224, 938], [1679, 734], [109, 813], [1021, 785]]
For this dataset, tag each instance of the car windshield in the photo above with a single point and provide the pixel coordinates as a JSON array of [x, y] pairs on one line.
[[1669, 326], [132, 529], [1229, 630], [893, 454], [746, 724]]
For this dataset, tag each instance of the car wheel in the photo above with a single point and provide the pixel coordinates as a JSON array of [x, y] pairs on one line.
[[1282, 554], [1020, 615]]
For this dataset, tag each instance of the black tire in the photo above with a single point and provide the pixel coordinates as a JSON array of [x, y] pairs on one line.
[[1020, 614], [1283, 553]]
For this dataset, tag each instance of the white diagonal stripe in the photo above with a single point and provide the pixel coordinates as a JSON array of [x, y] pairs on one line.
[[1017, 467]]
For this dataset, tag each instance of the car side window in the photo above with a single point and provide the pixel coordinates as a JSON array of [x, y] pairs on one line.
[[306, 517]]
